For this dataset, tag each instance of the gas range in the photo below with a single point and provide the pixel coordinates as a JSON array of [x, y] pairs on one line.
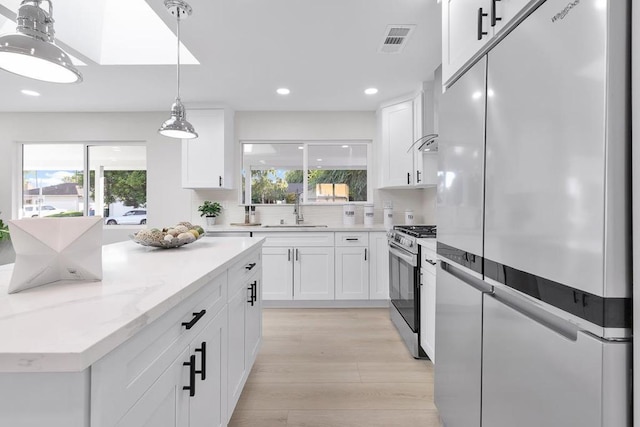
[[406, 236]]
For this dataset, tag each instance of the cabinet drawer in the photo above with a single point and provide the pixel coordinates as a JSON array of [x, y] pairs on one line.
[[297, 239], [243, 270], [428, 259], [120, 378], [352, 239]]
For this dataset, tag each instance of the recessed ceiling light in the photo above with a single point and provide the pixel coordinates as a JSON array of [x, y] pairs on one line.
[[345, 146], [30, 92], [283, 91], [301, 148], [371, 91], [318, 160]]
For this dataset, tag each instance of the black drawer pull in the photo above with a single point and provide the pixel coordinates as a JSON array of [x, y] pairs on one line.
[[252, 294], [196, 317], [203, 360], [494, 17], [192, 375], [408, 178], [250, 266], [220, 181], [480, 16], [254, 285], [352, 239], [431, 262], [418, 177]]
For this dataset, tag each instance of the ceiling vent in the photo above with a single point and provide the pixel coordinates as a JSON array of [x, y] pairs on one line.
[[395, 38]]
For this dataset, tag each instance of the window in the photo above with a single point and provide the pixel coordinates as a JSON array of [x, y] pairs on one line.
[[54, 177], [322, 172]]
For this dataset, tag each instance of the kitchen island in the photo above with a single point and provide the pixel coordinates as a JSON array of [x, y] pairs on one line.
[[120, 351]]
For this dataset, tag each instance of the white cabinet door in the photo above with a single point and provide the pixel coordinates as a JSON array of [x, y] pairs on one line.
[[236, 367], [165, 404], [253, 324], [397, 137], [207, 161], [352, 273], [277, 273], [428, 312], [505, 11], [314, 273], [208, 408], [464, 23], [379, 266]]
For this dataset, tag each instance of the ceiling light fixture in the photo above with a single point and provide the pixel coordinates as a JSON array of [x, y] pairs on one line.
[[31, 51], [29, 92], [371, 91], [283, 91], [177, 125]]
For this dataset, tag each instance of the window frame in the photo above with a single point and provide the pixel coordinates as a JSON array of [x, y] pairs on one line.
[[245, 190], [18, 177]]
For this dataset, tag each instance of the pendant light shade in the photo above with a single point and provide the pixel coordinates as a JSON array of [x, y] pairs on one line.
[[177, 125], [31, 52]]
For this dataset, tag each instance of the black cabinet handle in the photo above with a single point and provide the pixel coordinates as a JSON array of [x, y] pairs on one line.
[[296, 255], [192, 375], [196, 317], [351, 239], [408, 178], [494, 17], [480, 16], [255, 291], [418, 177], [219, 181], [250, 266], [203, 360], [251, 299], [365, 254], [288, 254], [431, 262]]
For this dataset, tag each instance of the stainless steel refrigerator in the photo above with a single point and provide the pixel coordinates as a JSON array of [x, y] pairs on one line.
[[533, 299]]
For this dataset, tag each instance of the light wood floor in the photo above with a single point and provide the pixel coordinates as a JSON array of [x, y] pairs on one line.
[[335, 367]]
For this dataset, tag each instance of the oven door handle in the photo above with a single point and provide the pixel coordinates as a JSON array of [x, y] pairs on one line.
[[410, 258]]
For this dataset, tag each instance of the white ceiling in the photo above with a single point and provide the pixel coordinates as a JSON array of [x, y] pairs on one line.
[[325, 51]]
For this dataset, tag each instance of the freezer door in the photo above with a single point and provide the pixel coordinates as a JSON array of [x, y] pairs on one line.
[[461, 162], [459, 336], [557, 147], [541, 371]]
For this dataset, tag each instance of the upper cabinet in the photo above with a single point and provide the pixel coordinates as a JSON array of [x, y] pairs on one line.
[[207, 161], [468, 26], [404, 164], [397, 137]]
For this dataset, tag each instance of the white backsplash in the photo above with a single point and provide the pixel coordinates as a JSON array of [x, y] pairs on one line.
[[421, 201]]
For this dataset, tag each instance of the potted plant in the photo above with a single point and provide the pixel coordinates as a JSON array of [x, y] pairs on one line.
[[210, 210], [4, 230]]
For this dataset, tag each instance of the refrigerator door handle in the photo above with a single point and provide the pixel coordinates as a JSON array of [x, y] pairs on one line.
[[537, 314], [474, 282]]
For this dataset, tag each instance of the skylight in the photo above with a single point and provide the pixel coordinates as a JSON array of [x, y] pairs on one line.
[[110, 32]]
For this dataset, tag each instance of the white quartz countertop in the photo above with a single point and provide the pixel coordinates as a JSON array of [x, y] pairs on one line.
[[66, 326], [280, 228]]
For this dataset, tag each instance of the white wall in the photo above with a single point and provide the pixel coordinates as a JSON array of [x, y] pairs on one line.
[[167, 201], [314, 126]]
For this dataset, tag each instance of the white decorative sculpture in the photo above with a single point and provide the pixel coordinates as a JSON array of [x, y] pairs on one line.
[[53, 249]]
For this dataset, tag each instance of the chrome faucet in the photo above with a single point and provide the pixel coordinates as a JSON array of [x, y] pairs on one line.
[[296, 209]]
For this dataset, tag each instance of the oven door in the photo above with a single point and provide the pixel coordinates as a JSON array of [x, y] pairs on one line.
[[404, 284]]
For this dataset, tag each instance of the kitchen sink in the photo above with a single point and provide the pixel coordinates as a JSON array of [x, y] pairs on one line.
[[294, 226]]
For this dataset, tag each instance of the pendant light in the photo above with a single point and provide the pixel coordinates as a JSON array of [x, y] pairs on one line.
[[31, 51], [177, 125]]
